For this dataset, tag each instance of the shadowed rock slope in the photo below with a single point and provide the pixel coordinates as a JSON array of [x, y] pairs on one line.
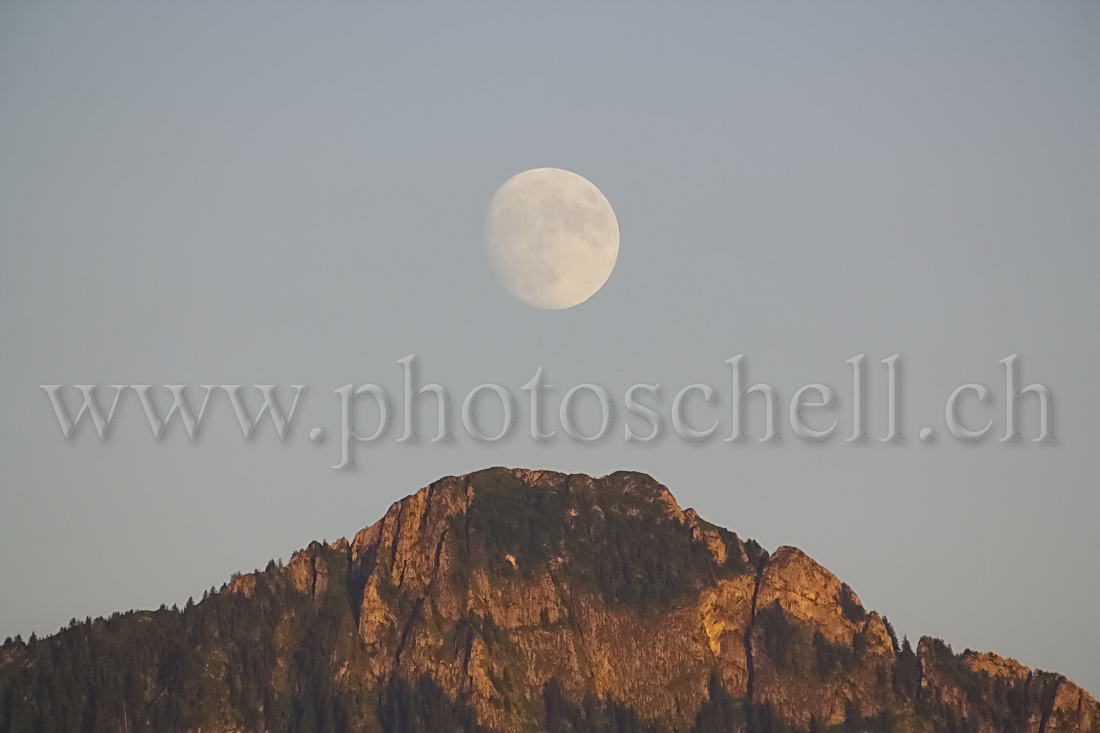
[[513, 600]]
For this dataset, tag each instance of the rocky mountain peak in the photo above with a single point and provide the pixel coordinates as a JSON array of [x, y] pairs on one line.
[[517, 600]]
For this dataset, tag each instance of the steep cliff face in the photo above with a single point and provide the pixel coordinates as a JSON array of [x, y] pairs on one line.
[[513, 600], [593, 586]]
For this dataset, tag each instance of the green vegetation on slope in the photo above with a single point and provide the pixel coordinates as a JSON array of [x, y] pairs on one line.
[[224, 661], [619, 544]]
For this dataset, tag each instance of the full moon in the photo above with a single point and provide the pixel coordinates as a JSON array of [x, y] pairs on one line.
[[552, 238]]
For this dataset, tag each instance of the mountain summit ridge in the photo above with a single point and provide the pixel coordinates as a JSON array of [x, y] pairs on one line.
[[515, 600]]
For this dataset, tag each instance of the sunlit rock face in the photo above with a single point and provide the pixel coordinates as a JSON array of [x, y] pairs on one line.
[[517, 600]]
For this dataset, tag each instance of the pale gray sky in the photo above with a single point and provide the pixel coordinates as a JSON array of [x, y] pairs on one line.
[[294, 193]]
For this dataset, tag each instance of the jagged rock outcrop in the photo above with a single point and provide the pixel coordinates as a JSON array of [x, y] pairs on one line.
[[516, 600], [838, 655]]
